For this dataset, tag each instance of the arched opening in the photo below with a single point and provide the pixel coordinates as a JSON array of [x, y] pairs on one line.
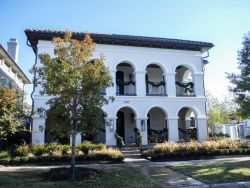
[[184, 81], [187, 124], [125, 81], [56, 125], [57, 122], [125, 124], [155, 81], [157, 125]]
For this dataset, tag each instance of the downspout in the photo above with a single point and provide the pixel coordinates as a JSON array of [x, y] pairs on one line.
[[34, 87], [203, 70]]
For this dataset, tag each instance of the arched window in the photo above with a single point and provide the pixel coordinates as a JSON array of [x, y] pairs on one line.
[[155, 81], [125, 81], [184, 81]]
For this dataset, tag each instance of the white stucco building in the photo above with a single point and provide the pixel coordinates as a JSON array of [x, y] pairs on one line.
[[159, 86], [9, 69]]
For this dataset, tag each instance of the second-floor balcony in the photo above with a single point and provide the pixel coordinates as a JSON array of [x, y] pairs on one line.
[[155, 88], [184, 82], [185, 89], [126, 88]]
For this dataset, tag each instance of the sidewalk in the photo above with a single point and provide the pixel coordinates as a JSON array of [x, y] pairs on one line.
[[166, 177]]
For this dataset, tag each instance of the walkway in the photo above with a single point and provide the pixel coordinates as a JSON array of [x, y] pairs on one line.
[[166, 177]]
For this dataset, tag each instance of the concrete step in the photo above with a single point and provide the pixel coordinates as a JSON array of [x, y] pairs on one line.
[[131, 152], [132, 156]]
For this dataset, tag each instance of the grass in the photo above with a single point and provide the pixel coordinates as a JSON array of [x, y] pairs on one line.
[[217, 172], [121, 178]]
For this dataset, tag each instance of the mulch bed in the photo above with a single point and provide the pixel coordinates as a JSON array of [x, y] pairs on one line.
[[65, 174]]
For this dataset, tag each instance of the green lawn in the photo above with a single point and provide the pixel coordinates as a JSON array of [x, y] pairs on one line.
[[117, 178], [216, 172]]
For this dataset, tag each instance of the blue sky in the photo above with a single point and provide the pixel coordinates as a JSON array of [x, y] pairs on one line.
[[221, 22]]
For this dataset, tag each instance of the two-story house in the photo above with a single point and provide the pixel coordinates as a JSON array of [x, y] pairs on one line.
[[10, 72], [159, 86]]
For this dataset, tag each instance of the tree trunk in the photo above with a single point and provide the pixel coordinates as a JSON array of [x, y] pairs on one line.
[[73, 156]]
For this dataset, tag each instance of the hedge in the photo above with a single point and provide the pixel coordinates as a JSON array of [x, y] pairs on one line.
[[194, 149], [39, 153], [49, 149], [197, 154], [60, 159]]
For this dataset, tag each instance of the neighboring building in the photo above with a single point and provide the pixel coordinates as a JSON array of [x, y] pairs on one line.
[[159, 86], [9, 68]]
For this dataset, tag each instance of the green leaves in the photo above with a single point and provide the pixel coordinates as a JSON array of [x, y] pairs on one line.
[[241, 82], [75, 80], [12, 111]]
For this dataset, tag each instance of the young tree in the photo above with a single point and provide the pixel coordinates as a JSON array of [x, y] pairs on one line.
[[74, 81], [220, 111], [241, 82], [12, 111], [213, 111]]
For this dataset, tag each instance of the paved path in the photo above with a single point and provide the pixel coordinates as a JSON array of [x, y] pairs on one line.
[[165, 177]]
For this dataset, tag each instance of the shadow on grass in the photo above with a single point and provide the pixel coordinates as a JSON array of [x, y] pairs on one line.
[[216, 172], [123, 178]]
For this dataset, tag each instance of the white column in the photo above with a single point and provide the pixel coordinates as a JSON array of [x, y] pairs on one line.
[[170, 83], [199, 84], [141, 124], [140, 83], [78, 139], [110, 131], [202, 128], [173, 133], [38, 130], [111, 91]]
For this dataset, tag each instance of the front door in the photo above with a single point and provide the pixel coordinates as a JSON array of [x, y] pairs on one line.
[[120, 83], [120, 124]]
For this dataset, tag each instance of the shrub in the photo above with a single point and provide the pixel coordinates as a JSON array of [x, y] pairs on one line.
[[138, 137], [166, 147], [4, 154], [38, 150], [50, 148], [87, 146], [107, 153], [65, 149], [21, 151], [119, 140]]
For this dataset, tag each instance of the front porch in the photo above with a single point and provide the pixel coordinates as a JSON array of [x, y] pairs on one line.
[[157, 127]]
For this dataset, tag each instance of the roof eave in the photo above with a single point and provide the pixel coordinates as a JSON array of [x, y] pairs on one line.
[[34, 35]]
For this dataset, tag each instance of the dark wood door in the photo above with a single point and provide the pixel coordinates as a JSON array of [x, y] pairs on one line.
[[120, 82], [148, 122], [120, 124], [146, 78]]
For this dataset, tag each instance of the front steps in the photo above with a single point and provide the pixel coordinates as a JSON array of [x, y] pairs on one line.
[[131, 152]]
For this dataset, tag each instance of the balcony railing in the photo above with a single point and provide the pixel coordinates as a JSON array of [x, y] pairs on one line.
[[185, 89], [126, 88], [156, 88]]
